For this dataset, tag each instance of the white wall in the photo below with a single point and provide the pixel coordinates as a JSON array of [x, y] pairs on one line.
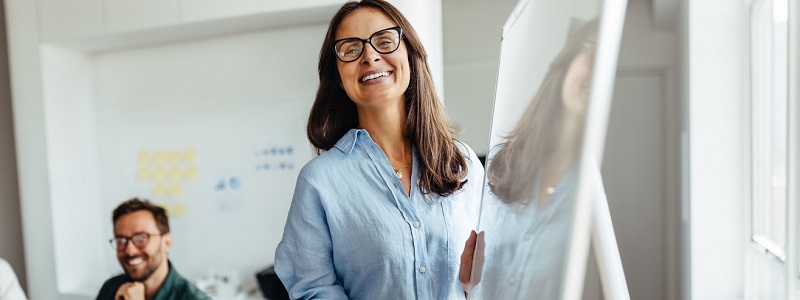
[[426, 17], [472, 32], [11, 248], [73, 176], [715, 89], [29, 130]]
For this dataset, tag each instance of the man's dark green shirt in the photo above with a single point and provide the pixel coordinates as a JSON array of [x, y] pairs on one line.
[[175, 287]]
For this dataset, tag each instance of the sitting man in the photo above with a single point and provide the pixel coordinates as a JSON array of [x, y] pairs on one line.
[[142, 240]]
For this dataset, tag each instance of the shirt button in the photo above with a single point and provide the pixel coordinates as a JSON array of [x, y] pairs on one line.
[[527, 237], [418, 181], [513, 280], [416, 224], [422, 269]]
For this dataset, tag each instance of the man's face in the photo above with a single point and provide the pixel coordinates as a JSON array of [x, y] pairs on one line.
[[140, 261]]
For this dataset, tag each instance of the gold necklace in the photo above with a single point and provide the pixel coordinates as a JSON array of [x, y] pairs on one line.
[[399, 172], [550, 190]]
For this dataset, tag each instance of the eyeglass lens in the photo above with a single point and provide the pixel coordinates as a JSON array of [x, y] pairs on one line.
[[138, 240], [384, 41]]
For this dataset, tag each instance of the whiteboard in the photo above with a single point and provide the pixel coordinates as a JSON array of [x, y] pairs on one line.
[[543, 192]]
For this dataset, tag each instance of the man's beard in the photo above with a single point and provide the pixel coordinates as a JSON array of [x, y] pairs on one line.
[[152, 266]]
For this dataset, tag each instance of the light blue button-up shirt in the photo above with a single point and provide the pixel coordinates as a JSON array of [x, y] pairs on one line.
[[352, 231]]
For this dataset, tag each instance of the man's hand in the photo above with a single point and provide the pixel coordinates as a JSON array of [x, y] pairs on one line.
[[130, 291]]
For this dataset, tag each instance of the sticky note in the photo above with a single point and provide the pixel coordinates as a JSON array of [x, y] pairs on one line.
[[190, 155], [173, 157], [190, 173], [180, 210], [175, 191], [143, 157], [159, 158], [159, 174], [160, 190], [174, 173], [144, 174]]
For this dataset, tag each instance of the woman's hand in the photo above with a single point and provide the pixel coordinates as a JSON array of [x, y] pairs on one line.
[[475, 244]]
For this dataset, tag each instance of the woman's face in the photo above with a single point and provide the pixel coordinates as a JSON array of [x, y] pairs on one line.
[[578, 81], [374, 79]]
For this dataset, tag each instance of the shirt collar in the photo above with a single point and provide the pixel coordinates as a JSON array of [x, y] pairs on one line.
[[169, 283], [349, 139]]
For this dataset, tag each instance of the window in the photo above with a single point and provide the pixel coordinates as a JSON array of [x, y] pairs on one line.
[[769, 99]]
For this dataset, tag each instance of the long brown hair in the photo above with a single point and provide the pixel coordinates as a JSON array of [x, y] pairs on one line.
[[511, 173], [443, 169]]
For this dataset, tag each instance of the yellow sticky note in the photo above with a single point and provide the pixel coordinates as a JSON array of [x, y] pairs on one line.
[[143, 157], [174, 173], [190, 155], [143, 174], [159, 157], [175, 191], [190, 173], [180, 210], [165, 207], [159, 174], [172, 157], [160, 190]]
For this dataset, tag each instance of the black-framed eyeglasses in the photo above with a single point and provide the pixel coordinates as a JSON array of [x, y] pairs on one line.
[[384, 42], [139, 240]]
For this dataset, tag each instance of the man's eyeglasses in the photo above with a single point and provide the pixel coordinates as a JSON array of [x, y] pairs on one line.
[[384, 42], [139, 240]]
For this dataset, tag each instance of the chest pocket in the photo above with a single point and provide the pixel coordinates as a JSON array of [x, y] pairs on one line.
[[461, 216]]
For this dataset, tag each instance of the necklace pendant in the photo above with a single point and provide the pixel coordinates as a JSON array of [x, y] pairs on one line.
[[399, 173], [551, 190]]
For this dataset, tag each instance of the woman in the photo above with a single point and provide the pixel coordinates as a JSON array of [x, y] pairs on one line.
[[533, 176], [383, 212]]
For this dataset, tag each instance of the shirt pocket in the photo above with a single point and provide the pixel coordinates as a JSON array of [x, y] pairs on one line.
[[461, 218]]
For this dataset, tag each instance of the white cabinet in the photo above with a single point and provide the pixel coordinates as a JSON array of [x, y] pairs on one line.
[[126, 15], [70, 20], [65, 19], [202, 10], [198, 10]]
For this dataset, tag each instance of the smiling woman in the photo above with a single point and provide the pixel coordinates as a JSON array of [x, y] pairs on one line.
[[383, 212], [375, 80]]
